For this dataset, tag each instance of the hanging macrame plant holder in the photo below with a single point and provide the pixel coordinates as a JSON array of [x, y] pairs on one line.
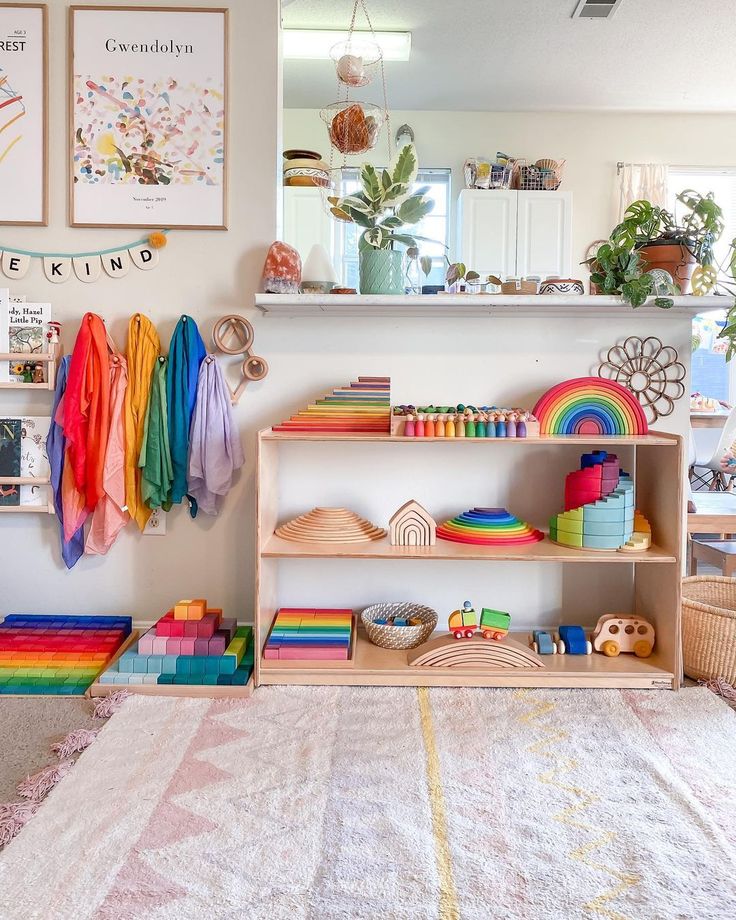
[[354, 126]]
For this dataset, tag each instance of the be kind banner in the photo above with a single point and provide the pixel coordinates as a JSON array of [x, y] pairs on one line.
[[148, 101]]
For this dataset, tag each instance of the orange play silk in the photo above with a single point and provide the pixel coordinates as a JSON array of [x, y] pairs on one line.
[[143, 350], [86, 413]]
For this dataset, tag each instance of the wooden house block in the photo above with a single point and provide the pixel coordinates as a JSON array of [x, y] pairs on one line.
[[412, 525]]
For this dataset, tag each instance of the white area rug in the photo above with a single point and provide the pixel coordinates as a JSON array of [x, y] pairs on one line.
[[392, 804]]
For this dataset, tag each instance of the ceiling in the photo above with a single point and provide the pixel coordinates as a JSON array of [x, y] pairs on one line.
[[489, 55]]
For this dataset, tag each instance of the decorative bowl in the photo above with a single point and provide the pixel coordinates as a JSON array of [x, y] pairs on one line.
[[399, 637], [562, 286]]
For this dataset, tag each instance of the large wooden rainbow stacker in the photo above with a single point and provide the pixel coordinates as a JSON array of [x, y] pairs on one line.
[[590, 405], [362, 407]]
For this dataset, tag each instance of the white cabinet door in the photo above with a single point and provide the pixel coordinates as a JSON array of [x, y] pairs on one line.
[[487, 230], [306, 221], [544, 234]]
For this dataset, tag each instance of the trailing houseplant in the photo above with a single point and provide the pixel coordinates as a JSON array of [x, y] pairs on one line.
[[671, 245], [385, 208], [618, 268], [458, 273]]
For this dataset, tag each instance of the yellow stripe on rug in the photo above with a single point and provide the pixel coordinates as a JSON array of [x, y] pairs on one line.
[[448, 906], [553, 736]]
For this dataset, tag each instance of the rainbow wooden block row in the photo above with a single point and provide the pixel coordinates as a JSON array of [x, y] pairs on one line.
[[590, 406], [189, 645], [599, 508], [363, 407], [57, 654], [306, 634], [488, 527]]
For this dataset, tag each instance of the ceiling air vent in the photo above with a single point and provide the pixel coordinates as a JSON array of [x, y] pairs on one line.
[[596, 9]]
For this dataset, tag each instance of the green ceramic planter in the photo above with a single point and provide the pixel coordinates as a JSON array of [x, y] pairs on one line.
[[382, 271]]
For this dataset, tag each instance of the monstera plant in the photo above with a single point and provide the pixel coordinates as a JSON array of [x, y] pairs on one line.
[[385, 208]]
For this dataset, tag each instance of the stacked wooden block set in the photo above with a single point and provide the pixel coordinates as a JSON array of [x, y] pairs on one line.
[[189, 645]]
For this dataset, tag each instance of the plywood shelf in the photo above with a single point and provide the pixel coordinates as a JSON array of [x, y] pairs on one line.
[[654, 439], [376, 666], [545, 551]]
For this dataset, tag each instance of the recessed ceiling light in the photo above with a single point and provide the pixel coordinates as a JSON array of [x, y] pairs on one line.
[[315, 44]]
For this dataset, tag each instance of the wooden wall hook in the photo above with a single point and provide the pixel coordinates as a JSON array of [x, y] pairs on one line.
[[233, 335]]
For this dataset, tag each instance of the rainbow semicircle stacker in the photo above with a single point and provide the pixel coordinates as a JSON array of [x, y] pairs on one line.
[[488, 527], [590, 406]]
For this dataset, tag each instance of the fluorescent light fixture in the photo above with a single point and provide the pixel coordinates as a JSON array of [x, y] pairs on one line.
[[315, 44]]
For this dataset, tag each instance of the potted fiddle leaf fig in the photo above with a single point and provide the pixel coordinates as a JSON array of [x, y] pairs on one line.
[[385, 209]]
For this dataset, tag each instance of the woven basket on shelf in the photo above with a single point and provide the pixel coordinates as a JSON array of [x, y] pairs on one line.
[[399, 636], [709, 627]]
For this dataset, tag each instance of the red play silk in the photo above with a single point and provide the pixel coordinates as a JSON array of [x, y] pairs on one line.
[[86, 418]]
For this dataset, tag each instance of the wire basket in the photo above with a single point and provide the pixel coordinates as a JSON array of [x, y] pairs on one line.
[[481, 173], [543, 176], [709, 627], [353, 127], [399, 637]]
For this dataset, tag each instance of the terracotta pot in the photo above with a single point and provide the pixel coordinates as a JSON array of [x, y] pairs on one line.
[[673, 258]]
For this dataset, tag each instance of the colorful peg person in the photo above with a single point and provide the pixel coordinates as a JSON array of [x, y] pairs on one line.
[[511, 425], [409, 427], [480, 425], [470, 426], [419, 426], [429, 431], [450, 426], [439, 428], [500, 426], [521, 426]]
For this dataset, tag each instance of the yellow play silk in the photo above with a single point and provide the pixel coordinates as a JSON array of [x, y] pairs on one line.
[[143, 350]]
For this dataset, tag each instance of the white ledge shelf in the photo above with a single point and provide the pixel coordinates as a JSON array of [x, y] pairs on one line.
[[469, 305]]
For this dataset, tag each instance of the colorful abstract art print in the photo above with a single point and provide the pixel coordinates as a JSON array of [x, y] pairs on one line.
[[148, 117], [23, 125]]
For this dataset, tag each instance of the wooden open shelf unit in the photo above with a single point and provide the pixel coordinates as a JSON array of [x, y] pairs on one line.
[[659, 475]]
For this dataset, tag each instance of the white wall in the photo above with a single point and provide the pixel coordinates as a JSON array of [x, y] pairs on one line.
[[591, 143], [205, 274]]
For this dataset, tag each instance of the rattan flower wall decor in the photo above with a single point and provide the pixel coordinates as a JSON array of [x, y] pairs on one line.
[[650, 370]]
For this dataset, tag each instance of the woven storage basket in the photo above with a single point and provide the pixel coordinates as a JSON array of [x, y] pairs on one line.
[[399, 636], [709, 627]]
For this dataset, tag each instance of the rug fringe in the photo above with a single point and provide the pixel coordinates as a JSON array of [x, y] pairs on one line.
[[75, 742], [38, 786], [721, 687], [107, 706], [13, 818]]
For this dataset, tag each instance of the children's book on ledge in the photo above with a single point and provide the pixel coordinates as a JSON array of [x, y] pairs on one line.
[[23, 327]]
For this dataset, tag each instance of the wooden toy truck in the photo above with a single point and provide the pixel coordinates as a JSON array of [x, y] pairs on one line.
[[494, 624]]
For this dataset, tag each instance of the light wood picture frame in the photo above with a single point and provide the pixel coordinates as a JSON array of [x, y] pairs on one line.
[[148, 117], [23, 114]]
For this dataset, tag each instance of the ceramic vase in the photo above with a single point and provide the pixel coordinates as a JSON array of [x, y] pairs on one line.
[[381, 271]]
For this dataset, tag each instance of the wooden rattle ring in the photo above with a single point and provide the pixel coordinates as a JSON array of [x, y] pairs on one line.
[[255, 368], [238, 324]]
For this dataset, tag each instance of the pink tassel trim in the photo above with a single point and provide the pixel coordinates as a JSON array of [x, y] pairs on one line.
[[39, 785], [721, 688], [13, 818], [74, 743], [107, 706]]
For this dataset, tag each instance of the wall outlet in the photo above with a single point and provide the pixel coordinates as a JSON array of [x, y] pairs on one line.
[[156, 524]]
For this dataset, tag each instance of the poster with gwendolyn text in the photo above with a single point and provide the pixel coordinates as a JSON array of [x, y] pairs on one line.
[[148, 117], [23, 191]]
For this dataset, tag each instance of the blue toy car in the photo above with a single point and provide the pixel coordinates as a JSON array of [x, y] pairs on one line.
[[542, 642], [573, 641]]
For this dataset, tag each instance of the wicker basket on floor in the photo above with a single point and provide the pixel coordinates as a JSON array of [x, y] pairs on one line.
[[709, 627], [399, 637]]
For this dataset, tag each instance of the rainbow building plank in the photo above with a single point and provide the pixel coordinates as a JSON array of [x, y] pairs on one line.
[[590, 406], [179, 650], [60, 655], [306, 634], [488, 527], [363, 407], [599, 506]]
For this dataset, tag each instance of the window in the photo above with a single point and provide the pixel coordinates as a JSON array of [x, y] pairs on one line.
[[711, 375], [435, 226]]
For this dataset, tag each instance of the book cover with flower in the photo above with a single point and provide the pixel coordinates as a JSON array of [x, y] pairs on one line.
[[10, 432]]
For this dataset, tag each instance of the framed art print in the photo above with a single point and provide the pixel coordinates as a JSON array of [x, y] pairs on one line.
[[23, 115], [148, 113]]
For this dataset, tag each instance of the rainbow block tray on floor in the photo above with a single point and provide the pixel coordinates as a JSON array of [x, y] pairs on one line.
[[308, 634], [190, 646], [363, 407], [59, 655], [488, 527]]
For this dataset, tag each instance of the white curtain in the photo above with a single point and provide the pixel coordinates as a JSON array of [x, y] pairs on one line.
[[642, 180]]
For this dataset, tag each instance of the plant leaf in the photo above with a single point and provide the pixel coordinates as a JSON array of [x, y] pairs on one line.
[[425, 263], [374, 237], [414, 209], [406, 166], [371, 184]]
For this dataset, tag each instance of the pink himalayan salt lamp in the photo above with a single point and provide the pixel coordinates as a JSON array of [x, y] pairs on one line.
[[282, 270]]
